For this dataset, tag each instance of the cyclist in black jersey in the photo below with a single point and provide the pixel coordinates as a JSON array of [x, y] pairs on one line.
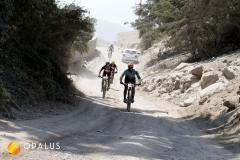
[[111, 48], [106, 71], [114, 68]]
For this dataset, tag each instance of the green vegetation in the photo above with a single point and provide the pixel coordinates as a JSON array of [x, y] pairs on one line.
[[35, 42], [203, 28]]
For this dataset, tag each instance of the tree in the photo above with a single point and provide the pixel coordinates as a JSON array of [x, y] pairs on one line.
[[204, 28], [154, 14], [36, 37]]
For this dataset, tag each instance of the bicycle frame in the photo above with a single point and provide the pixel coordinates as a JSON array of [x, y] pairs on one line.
[[130, 94], [104, 85], [109, 54]]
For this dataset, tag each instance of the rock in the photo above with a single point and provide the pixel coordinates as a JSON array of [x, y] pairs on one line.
[[202, 100], [228, 73], [189, 90], [208, 79], [181, 104], [176, 84], [155, 45], [181, 66], [163, 90], [167, 97], [84, 66], [216, 87], [229, 104], [186, 81], [224, 61], [189, 101], [158, 79], [150, 88], [198, 71]]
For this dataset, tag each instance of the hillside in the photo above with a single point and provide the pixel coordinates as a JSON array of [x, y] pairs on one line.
[[206, 92]]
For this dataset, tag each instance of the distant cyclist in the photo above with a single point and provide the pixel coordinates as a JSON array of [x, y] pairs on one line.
[[114, 68], [130, 77], [106, 71], [111, 48]]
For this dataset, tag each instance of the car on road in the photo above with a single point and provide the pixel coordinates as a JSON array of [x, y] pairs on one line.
[[129, 55]]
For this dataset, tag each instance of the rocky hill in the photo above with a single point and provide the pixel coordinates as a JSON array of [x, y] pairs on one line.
[[206, 91]]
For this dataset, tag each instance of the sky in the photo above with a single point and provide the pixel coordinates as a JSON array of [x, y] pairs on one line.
[[115, 11]]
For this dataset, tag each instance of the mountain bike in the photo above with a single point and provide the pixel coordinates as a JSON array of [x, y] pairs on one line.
[[105, 85], [109, 54], [130, 94]]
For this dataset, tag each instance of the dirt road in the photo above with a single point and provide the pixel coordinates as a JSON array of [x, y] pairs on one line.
[[102, 129]]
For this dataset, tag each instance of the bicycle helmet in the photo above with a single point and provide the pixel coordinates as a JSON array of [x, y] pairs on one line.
[[130, 64], [113, 62], [107, 63]]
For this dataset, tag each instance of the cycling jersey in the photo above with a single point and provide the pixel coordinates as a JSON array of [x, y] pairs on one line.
[[113, 66], [130, 76], [110, 48], [107, 70]]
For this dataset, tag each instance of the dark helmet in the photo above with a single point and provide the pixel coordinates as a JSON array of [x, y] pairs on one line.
[[107, 63]]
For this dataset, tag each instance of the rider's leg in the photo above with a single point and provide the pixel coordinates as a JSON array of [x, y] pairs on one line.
[[112, 78], [109, 82], [109, 76], [133, 94], [102, 85], [125, 93]]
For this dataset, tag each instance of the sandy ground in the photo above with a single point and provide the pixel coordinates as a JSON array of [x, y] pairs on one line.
[[102, 128]]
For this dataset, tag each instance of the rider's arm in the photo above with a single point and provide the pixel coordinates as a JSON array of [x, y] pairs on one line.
[[100, 71], [121, 77], [140, 79], [138, 76]]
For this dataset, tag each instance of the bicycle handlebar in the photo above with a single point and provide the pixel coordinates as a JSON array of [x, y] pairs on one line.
[[137, 84], [102, 77]]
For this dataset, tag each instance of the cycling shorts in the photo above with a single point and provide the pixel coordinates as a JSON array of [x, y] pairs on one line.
[[130, 80], [108, 74]]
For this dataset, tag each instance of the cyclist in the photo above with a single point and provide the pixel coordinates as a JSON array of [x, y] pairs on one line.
[[106, 71], [114, 68], [129, 74], [111, 48]]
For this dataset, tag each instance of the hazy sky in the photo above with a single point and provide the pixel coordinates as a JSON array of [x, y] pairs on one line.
[[116, 11]]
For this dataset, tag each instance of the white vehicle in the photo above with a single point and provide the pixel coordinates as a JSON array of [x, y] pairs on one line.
[[130, 55]]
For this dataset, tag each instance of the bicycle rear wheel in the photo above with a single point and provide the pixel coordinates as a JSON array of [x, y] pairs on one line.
[[129, 100]]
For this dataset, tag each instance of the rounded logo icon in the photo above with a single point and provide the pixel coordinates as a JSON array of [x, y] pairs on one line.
[[14, 147]]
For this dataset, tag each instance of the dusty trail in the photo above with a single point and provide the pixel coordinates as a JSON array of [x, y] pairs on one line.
[[102, 129]]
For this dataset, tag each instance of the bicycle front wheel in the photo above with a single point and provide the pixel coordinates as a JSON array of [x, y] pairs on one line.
[[109, 54], [104, 89], [129, 100]]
